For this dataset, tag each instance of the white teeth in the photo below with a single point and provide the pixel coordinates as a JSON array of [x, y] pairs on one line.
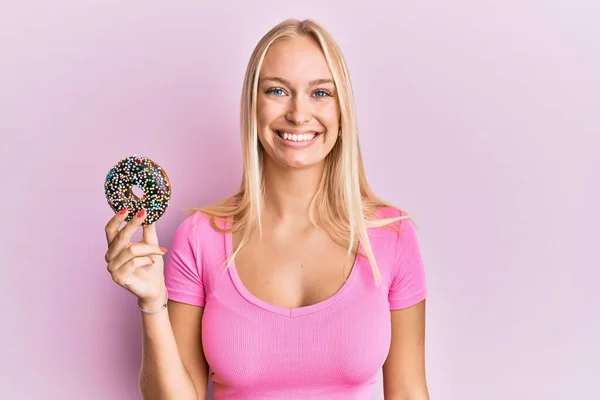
[[298, 137]]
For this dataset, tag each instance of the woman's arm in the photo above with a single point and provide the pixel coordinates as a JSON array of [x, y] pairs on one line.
[[404, 369], [173, 364], [186, 321]]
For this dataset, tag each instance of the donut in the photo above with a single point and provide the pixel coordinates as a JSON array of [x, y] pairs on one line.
[[149, 177]]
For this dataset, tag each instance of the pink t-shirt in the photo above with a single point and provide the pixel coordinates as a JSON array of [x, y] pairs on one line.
[[329, 350]]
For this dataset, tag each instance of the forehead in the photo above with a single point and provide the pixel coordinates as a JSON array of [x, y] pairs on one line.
[[299, 59]]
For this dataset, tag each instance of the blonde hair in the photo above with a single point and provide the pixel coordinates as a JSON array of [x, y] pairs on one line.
[[344, 205]]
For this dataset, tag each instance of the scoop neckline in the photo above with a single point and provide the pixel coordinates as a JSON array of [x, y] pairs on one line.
[[285, 311]]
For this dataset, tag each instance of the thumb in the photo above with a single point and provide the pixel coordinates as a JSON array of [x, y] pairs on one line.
[[149, 236]]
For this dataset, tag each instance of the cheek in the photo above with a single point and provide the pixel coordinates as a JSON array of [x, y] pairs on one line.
[[266, 114], [264, 121], [262, 114], [330, 116]]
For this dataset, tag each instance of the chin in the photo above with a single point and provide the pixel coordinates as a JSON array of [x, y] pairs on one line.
[[287, 162], [294, 164]]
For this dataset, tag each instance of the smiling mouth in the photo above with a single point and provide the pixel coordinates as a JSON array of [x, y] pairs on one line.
[[294, 137]]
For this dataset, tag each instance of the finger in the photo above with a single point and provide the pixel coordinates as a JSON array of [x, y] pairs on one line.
[[133, 251], [125, 275], [123, 237], [112, 227], [150, 235]]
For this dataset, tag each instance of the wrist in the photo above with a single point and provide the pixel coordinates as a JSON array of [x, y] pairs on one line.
[[154, 304]]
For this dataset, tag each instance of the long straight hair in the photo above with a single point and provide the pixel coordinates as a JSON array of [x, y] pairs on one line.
[[344, 205]]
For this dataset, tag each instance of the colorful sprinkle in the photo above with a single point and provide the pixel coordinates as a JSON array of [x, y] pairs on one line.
[[149, 177]]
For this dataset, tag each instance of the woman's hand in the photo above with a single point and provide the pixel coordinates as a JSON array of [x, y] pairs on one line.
[[137, 267]]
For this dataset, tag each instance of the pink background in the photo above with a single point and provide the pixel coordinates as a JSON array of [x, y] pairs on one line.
[[479, 117]]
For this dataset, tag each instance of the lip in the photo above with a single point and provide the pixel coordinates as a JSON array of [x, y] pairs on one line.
[[296, 145], [298, 131]]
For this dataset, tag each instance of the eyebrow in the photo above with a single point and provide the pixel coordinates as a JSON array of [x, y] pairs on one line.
[[321, 81]]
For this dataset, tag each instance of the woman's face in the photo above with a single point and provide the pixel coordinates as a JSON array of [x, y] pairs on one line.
[[297, 106]]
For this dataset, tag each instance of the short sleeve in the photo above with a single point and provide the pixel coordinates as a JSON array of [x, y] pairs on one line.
[[183, 272], [408, 286]]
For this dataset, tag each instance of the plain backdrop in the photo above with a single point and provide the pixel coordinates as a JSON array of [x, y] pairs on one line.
[[481, 118]]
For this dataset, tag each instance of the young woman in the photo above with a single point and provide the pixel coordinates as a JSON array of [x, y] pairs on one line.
[[303, 284]]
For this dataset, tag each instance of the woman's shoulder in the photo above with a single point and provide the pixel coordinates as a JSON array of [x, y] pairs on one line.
[[389, 212], [201, 225], [398, 217], [392, 225]]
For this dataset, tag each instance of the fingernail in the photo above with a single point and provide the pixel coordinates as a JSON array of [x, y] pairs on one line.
[[152, 261], [123, 211], [164, 249], [140, 214]]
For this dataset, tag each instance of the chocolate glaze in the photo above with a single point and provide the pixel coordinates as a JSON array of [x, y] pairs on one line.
[[149, 177]]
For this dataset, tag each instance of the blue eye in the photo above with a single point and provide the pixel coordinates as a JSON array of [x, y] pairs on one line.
[[324, 93], [275, 91]]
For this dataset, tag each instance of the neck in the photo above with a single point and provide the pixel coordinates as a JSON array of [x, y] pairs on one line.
[[289, 191]]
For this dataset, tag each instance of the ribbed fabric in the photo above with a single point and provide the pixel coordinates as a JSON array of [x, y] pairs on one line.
[[330, 350]]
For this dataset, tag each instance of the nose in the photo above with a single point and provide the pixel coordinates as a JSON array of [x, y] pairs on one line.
[[299, 111]]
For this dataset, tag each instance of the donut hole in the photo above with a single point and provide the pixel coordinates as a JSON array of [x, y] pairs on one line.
[[137, 192]]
